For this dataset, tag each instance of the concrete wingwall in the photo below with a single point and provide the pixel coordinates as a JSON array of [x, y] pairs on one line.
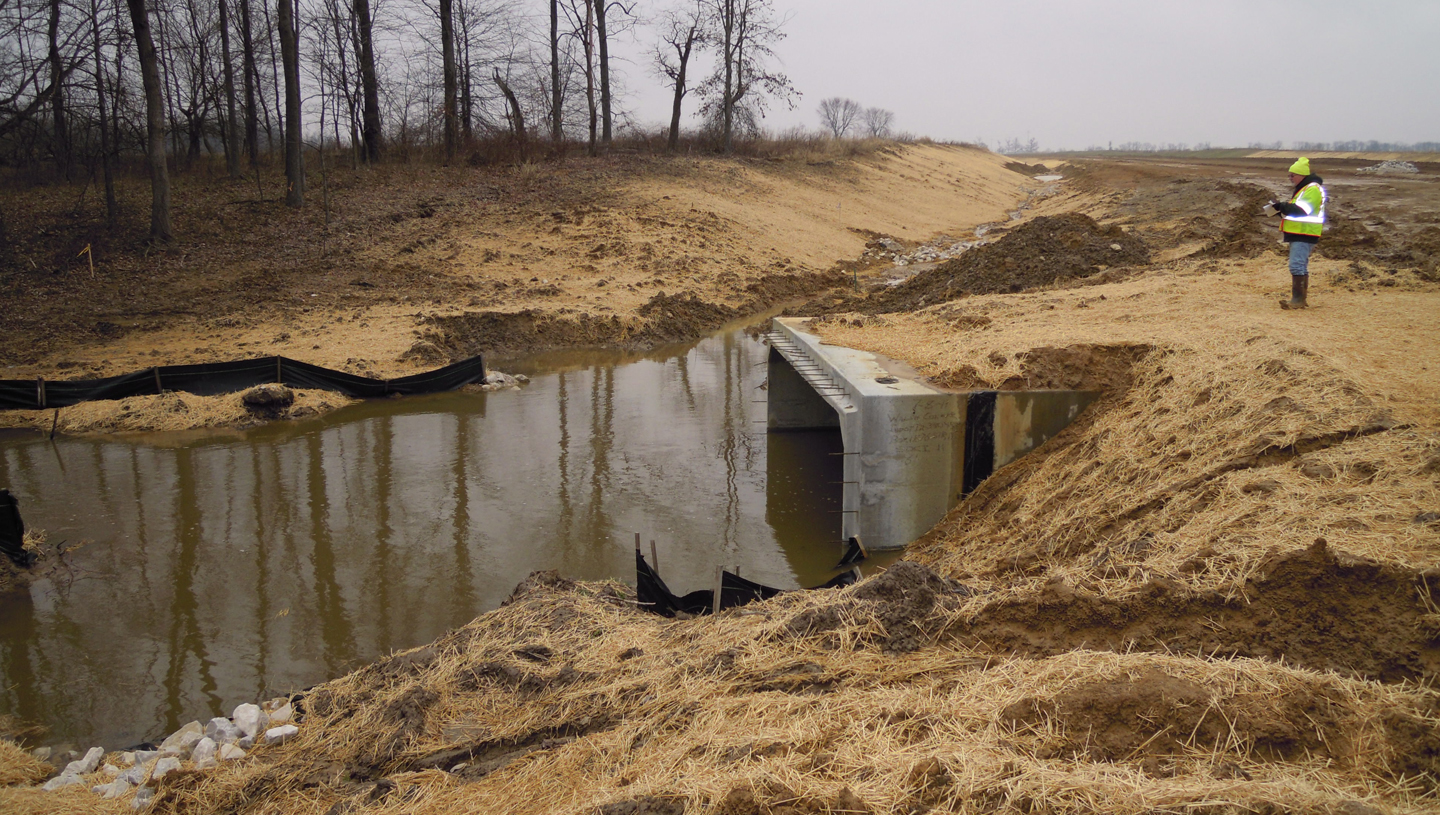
[[904, 440]]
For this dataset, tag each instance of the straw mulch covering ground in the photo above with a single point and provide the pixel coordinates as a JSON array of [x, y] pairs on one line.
[[1213, 593], [173, 410], [862, 699]]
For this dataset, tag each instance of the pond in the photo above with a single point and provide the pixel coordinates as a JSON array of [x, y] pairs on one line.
[[206, 569]]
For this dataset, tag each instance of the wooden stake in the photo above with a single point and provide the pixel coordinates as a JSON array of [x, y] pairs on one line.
[[54, 424], [719, 581], [654, 558], [637, 542]]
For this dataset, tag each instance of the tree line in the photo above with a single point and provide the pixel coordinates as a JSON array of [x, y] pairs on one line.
[[843, 116], [85, 83]]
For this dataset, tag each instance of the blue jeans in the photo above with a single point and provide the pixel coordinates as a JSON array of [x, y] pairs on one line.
[[1300, 257]]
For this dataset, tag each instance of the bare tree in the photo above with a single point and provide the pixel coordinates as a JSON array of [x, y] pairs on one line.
[[59, 123], [451, 100], [877, 122], [838, 114], [681, 31], [290, 56], [160, 230], [745, 33], [364, 29], [516, 116], [603, 31], [557, 115], [251, 72], [232, 129], [106, 159], [580, 15]]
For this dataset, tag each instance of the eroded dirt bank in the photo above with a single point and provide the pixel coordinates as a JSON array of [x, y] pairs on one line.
[[1214, 593], [418, 266]]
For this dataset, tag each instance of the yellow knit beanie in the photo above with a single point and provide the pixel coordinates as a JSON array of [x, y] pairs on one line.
[[1301, 166]]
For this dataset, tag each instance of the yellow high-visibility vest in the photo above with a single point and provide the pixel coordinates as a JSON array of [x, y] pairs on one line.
[[1310, 199]]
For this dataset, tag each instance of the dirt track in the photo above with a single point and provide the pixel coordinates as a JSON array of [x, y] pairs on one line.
[[1214, 593]]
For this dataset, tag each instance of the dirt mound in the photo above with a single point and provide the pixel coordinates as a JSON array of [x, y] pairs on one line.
[[776, 289], [907, 602], [1075, 367], [1309, 608], [1047, 251], [676, 317], [664, 318], [1026, 169], [1155, 715], [1346, 239], [1245, 232]]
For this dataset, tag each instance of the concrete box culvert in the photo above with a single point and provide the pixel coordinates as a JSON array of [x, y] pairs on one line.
[[905, 441]]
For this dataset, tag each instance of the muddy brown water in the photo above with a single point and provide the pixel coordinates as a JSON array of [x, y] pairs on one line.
[[208, 569]]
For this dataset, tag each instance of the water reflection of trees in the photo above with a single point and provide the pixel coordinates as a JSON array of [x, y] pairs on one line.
[[228, 571]]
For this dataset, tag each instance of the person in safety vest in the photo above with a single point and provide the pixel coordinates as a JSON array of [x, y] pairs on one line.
[[1302, 218]]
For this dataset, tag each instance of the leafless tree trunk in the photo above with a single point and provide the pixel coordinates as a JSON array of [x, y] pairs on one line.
[[587, 39], [160, 231], [252, 79], [447, 52], [731, 29], [680, 32], [106, 168], [290, 55], [232, 124], [370, 88], [467, 100], [603, 40], [517, 118], [557, 132], [60, 125], [276, 88]]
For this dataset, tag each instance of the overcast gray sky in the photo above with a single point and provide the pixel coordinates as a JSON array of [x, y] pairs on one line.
[[1075, 73]]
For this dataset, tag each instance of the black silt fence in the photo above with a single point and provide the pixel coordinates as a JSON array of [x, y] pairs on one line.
[[735, 591], [215, 378]]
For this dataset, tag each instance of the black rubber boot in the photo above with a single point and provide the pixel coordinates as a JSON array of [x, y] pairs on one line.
[[1298, 285]]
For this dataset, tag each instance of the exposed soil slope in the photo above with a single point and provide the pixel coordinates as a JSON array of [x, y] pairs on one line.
[[1215, 592]]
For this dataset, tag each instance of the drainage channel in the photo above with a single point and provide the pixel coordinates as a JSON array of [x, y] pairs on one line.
[[212, 568]]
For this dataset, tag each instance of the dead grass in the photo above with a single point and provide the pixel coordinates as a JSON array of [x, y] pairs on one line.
[[170, 411], [742, 713], [19, 767]]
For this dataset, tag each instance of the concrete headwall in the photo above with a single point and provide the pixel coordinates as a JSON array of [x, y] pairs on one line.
[[905, 456]]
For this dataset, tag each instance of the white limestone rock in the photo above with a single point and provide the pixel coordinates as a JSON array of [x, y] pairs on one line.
[[222, 731], [204, 754], [163, 767], [182, 741], [146, 756], [135, 775], [281, 734], [246, 742], [62, 780], [89, 764], [282, 714], [230, 752], [250, 719], [143, 797], [114, 789], [110, 769]]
